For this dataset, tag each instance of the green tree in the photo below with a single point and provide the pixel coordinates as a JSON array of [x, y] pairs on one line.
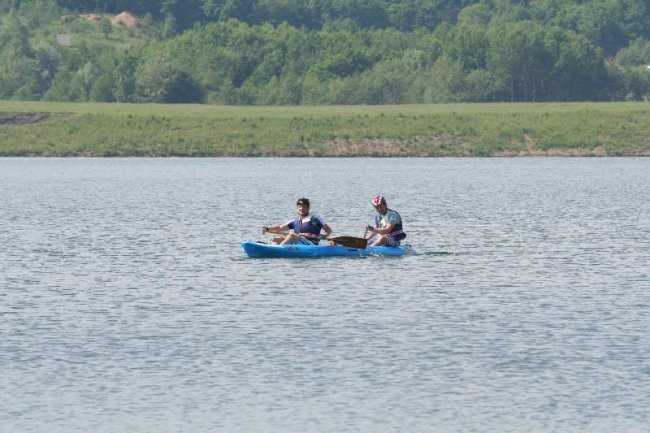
[[630, 71], [185, 13], [444, 82], [510, 57], [102, 89], [481, 85], [313, 90], [39, 13], [469, 44], [49, 60], [409, 15], [283, 90], [160, 81], [124, 77], [19, 76], [66, 87], [635, 54], [19, 70], [392, 81], [600, 22], [14, 35], [105, 26], [579, 69]]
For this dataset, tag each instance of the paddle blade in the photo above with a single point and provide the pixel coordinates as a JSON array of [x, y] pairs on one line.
[[350, 241]]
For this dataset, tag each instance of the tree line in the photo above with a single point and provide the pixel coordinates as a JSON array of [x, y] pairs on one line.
[[289, 52]]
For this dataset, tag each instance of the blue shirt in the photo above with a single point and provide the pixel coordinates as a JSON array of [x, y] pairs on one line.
[[310, 224]]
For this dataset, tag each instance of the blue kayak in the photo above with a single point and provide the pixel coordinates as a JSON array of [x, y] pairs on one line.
[[259, 250]]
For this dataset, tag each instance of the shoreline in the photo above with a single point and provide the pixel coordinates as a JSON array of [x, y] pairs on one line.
[[33, 129]]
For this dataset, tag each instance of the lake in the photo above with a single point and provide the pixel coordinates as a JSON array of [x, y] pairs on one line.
[[127, 304]]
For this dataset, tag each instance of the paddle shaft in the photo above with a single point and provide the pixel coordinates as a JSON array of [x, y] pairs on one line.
[[348, 241], [280, 232]]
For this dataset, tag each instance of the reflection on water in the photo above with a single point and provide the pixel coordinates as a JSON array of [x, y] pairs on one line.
[[126, 303]]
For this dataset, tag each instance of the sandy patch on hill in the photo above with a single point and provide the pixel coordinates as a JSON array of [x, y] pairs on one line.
[[124, 19], [91, 17]]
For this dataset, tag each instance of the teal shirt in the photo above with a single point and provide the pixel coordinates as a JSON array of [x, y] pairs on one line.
[[391, 217]]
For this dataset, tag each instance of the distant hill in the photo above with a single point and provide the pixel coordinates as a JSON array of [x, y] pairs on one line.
[[279, 52]]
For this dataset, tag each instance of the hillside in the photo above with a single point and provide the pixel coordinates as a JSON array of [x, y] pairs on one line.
[[339, 52]]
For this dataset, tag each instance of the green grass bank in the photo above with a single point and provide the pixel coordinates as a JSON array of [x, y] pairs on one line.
[[93, 129]]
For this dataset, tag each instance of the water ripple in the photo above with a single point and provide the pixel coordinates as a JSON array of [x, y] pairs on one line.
[[126, 303]]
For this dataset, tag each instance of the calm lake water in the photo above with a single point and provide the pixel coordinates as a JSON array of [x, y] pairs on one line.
[[127, 304]]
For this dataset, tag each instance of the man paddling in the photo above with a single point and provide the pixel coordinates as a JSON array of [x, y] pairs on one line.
[[388, 225], [306, 227]]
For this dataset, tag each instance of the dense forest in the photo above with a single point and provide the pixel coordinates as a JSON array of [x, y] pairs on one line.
[[292, 52]]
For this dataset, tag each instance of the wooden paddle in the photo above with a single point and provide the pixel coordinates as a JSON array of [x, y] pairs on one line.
[[350, 241], [346, 241]]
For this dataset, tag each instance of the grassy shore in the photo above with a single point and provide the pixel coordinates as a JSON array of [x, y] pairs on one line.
[[80, 129]]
